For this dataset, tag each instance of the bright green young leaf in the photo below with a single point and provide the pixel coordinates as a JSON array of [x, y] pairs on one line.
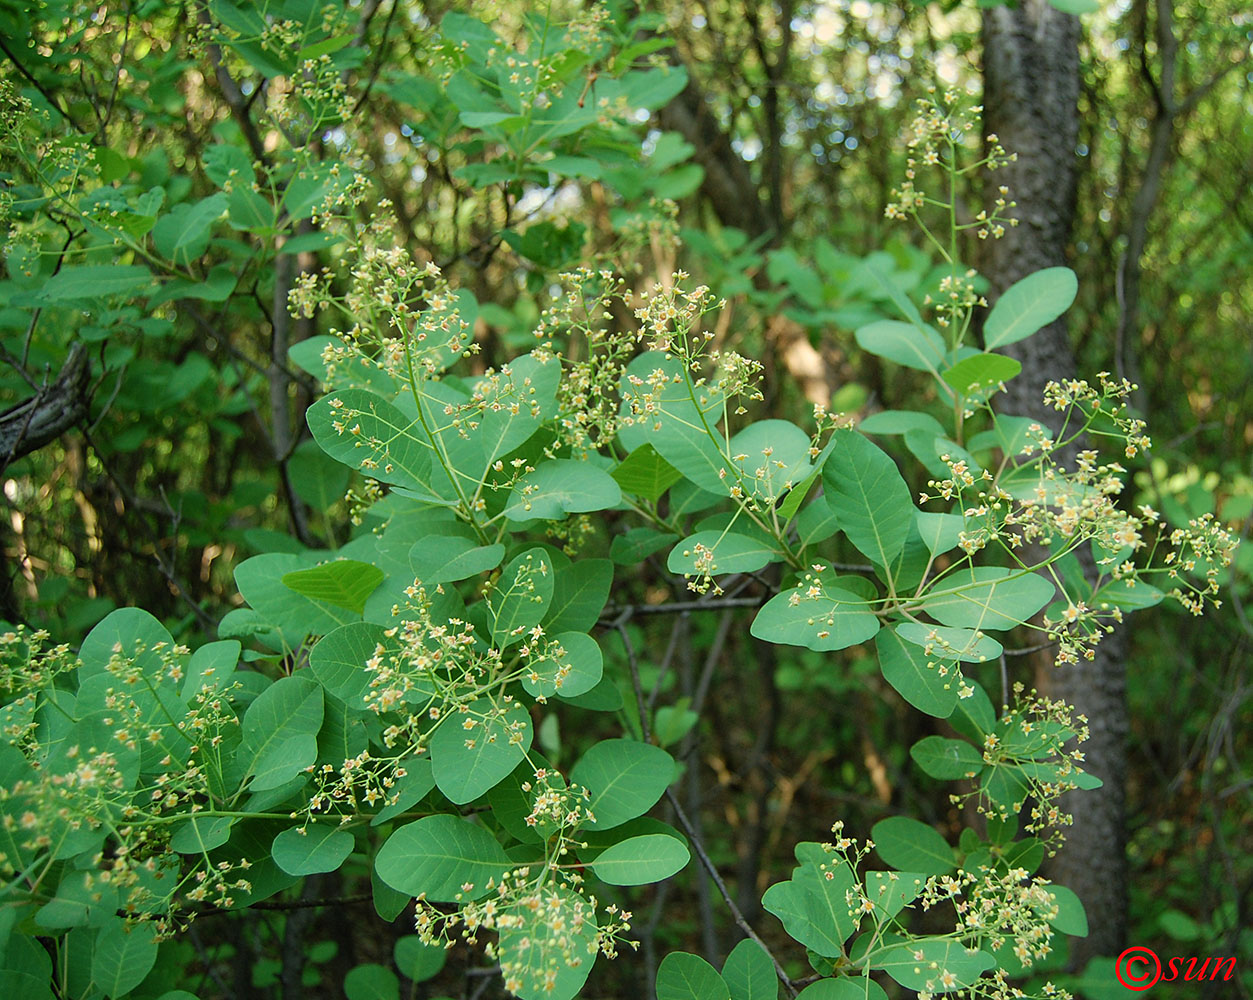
[[561, 487], [317, 848], [987, 597], [437, 854], [910, 846], [818, 615], [344, 583], [714, 553], [625, 777], [870, 500], [749, 973], [296, 615], [977, 374], [1028, 305], [475, 749], [913, 346], [682, 976], [644, 473], [946, 759], [641, 860], [921, 965]]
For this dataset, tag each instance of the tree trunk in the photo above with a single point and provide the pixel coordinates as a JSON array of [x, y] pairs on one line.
[[1031, 88]]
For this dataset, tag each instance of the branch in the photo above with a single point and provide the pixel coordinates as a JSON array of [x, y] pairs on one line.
[[49, 413]]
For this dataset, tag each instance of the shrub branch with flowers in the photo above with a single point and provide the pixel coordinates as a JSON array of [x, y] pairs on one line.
[[145, 784]]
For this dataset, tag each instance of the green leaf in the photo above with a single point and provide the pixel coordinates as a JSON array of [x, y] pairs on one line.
[[900, 422], [521, 596], [537, 945], [182, 234], [260, 582], [919, 965], [437, 854], [312, 850], [561, 487], [638, 544], [366, 432], [818, 615], [417, 961], [201, 834], [977, 374], [947, 759], [625, 778], [939, 642], [813, 904], [408, 790], [92, 281], [913, 346], [939, 532], [474, 749], [344, 583], [1076, 6], [577, 669], [579, 595], [749, 973], [317, 478], [1028, 305], [770, 457], [987, 597], [449, 558], [371, 981], [910, 846], [644, 473], [682, 976], [280, 731], [717, 552], [123, 956], [870, 500], [859, 988], [339, 660], [678, 417], [641, 860]]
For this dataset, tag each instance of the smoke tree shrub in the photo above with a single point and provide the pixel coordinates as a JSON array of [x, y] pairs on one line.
[[373, 707]]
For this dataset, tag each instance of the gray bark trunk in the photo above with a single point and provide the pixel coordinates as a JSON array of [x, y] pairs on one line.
[[1031, 88]]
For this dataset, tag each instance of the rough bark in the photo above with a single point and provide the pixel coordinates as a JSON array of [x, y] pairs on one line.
[[48, 414], [1031, 88]]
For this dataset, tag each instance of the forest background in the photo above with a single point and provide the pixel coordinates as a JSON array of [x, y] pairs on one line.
[[184, 173]]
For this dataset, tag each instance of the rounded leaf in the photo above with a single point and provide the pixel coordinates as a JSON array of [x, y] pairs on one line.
[[641, 860], [439, 854], [312, 850]]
